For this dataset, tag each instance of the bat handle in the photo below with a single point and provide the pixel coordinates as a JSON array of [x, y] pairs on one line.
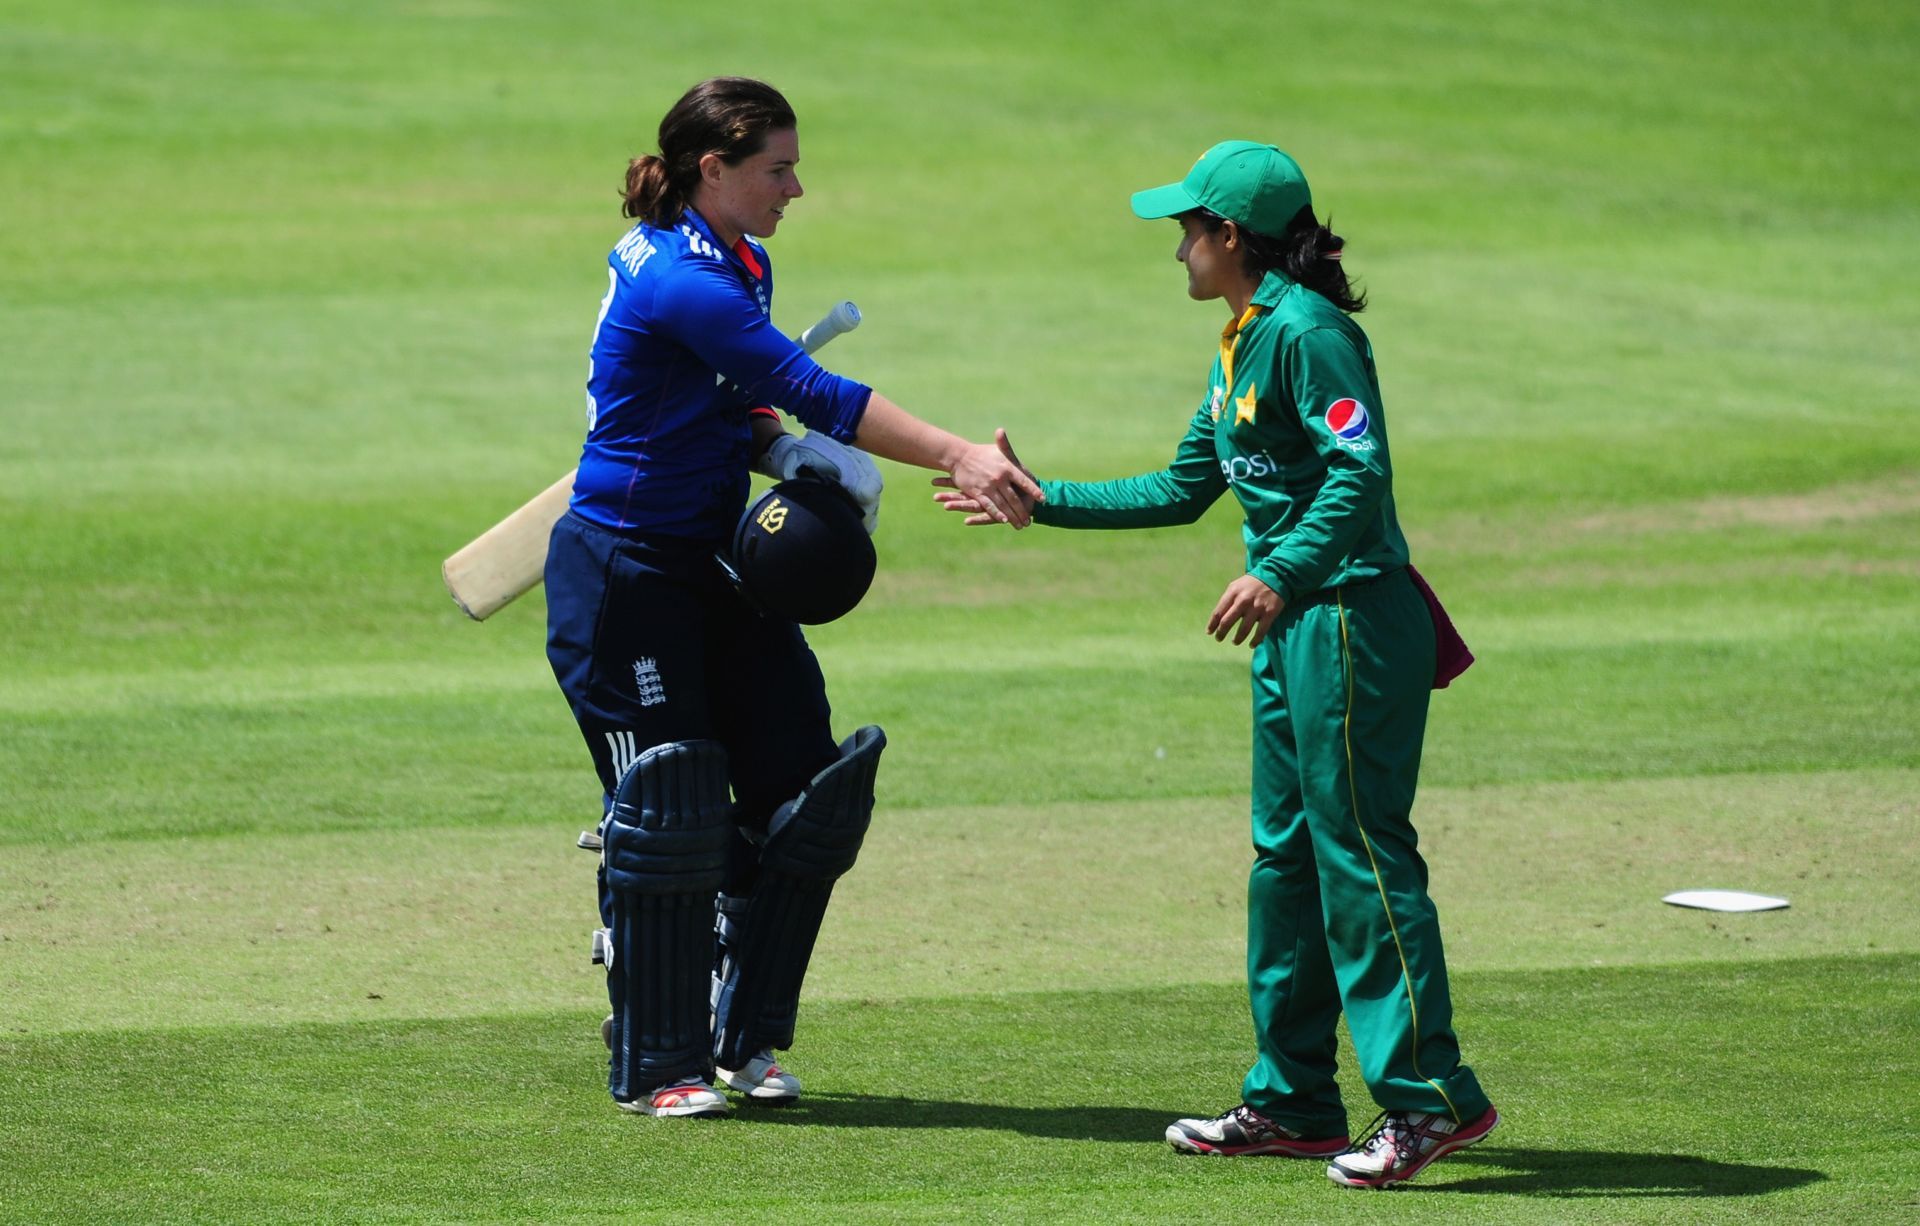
[[844, 317]]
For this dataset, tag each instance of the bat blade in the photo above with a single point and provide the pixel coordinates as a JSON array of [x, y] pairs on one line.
[[509, 559], [501, 564]]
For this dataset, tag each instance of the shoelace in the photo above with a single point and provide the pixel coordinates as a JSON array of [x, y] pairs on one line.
[[1389, 1128], [1252, 1122]]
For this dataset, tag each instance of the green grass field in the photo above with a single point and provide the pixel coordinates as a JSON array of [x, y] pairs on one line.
[[294, 299]]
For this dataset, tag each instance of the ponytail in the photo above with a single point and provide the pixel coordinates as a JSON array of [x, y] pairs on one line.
[[650, 193], [1310, 254]]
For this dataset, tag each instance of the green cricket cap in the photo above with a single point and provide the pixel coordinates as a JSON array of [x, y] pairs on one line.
[[1244, 181]]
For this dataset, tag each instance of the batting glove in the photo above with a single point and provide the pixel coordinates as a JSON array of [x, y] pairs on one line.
[[848, 467]]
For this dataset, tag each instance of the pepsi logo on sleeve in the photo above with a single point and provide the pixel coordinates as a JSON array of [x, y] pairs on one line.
[[1347, 419]]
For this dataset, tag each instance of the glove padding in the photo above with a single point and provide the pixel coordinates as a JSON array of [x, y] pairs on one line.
[[847, 467]]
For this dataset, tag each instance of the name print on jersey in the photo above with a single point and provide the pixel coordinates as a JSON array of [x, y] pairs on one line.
[[633, 250]]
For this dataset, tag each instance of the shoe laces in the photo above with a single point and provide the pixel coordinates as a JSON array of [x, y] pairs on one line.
[[1252, 1122], [1393, 1131]]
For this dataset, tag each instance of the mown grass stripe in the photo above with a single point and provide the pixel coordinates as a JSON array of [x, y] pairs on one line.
[[1034, 1104]]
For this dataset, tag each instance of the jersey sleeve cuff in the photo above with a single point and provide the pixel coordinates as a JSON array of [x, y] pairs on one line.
[[1271, 575], [1046, 511]]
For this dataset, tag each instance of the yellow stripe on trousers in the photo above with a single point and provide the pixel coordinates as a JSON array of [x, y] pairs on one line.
[[1353, 797]]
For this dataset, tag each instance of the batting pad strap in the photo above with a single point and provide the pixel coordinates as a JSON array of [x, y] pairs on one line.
[[758, 1005], [729, 910], [668, 829]]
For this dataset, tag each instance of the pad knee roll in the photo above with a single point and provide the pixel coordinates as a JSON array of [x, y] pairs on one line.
[[817, 834], [671, 820]]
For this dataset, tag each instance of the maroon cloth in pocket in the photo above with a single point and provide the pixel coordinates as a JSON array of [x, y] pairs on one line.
[[1450, 654]]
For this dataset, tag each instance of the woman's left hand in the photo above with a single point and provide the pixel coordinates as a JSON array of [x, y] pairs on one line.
[[1249, 605]]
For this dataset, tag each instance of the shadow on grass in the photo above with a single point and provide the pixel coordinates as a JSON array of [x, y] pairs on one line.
[[1132, 1124], [1520, 1172], [1575, 1173]]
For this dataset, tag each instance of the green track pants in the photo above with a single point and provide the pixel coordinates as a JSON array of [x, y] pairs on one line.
[[1338, 917]]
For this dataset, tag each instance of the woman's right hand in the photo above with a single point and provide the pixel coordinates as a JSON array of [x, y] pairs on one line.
[[989, 485]]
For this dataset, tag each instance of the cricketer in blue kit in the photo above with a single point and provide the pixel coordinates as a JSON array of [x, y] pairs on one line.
[[728, 809]]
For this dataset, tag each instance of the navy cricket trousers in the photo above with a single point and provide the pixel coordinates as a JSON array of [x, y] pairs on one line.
[[651, 644]]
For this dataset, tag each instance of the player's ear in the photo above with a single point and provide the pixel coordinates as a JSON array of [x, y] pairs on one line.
[[710, 167], [1230, 235]]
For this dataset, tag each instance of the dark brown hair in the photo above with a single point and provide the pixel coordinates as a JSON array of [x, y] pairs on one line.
[[1308, 253], [728, 116]]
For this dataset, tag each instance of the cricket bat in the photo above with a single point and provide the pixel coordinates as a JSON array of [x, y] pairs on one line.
[[496, 567]]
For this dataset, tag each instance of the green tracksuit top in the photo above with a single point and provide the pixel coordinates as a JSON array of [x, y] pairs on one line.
[[1293, 424]]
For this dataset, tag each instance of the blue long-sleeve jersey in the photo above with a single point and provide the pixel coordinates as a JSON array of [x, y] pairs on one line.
[[683, 348]]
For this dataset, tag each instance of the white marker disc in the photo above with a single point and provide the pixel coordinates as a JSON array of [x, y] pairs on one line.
[[1725, 900]]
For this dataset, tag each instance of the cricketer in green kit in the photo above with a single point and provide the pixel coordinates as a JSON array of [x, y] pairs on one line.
[[1347, 645]]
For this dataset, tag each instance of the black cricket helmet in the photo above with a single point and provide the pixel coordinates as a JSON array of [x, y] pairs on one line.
[[800, 552]]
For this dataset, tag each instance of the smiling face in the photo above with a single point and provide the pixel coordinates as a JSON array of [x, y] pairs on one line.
[[750, 196], [1212, 259]]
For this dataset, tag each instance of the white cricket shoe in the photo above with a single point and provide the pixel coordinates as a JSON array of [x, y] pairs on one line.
[[1404, 1143], [690, 1096], [1245, 1131], [763, 1081]]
